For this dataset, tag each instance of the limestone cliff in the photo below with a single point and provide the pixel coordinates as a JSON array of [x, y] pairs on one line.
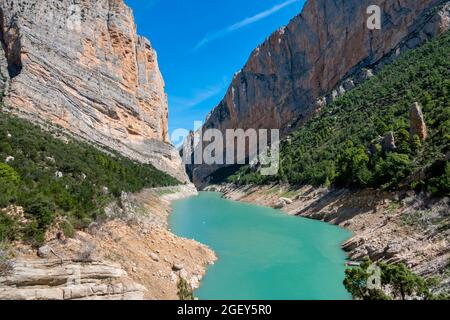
[[81, 65], [318, 56]]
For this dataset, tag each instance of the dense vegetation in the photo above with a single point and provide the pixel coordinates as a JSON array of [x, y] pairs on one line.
[[342, 145], [51, 178], [389, 282]]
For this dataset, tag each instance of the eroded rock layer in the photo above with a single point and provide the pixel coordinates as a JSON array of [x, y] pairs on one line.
[[131, 256], [322, 53], [81, 65]]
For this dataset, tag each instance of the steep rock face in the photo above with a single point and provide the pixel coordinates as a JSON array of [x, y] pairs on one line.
[[68, 280], [83, 67], [322, 53], [418, 125]]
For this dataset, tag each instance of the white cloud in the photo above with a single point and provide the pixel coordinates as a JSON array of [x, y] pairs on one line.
[[243, 23], [199, 97]]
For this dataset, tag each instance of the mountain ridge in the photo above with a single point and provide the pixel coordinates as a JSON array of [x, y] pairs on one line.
[[300, 68], [84, 68]]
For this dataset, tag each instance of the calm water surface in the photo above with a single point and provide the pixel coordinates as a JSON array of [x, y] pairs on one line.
[[263, 253]]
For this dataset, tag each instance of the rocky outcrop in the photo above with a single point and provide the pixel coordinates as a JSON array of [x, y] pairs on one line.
[[67, 280], [388, 142], [322, 53], [131, 256], [81, 66], [418, 127]]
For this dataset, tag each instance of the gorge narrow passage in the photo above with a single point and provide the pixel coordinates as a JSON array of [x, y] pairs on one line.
[[263, 254]]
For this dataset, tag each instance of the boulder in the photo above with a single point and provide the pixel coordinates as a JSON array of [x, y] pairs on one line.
[[67, 280], [286, 200], [388, 142], [177, 267], [44, 252], [279, 205], [392, 249], [154, 256]]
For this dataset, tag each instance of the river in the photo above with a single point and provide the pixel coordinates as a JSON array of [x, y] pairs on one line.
[[263, 253]]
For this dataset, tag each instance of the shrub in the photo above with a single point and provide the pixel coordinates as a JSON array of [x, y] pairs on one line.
[[392, 170], [8, 175], [86, 253], [40, 208], [8, 228], [31, 181], [9, 184], [440, 185], [184, 290]]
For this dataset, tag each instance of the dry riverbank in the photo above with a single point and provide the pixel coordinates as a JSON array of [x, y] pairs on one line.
[[131, 256], [395, 227]]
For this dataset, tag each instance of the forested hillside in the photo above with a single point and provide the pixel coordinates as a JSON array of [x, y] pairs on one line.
[[62, 180], [343, 144]]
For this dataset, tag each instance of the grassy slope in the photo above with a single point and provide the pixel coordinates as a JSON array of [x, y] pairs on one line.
[[333, 148], [79, 196]]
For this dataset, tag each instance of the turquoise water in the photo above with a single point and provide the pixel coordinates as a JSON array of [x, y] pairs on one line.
[[263, 253]]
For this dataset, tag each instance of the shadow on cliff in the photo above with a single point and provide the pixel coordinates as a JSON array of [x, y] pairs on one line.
[[340, 205], [11, 46]]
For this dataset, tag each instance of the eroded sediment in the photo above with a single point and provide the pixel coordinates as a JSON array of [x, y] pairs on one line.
[[131, 256]]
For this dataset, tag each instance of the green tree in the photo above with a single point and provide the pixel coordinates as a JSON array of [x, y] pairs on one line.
[[393, 169], [353, 165], [8, 175], [396, 282], [440, 185], [356, 282], [9, 184]]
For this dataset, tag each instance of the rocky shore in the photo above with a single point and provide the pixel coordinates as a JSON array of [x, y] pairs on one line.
[[393, 227], [132, 255]]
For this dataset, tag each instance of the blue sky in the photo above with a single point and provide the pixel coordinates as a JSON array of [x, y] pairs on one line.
[[202, 43]]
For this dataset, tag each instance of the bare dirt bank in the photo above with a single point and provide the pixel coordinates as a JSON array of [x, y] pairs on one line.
[[132, 255], [394, 227]]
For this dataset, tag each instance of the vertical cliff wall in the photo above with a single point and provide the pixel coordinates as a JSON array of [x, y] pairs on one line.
[[81, 65], [318, 56]]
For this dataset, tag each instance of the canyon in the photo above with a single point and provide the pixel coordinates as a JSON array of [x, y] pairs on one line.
[[83, 67], [322, 53]]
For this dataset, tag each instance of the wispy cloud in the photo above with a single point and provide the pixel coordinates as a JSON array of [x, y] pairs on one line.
[[199, 97], [243, 23]]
